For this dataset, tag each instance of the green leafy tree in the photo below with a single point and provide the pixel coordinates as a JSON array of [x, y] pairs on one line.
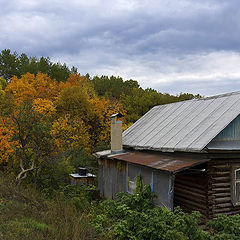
[[113, 87], [136, 100], [12, 64], [3, 83], [8, 64], [135, 217], [31, 134]]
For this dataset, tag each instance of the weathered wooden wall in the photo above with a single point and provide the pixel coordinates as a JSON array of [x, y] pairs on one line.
[[219, 187], [111, 177], [163, 187], [190, 191]]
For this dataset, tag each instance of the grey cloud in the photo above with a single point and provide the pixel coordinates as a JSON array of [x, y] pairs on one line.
[[137, 32], [134, 39], [205, 88]]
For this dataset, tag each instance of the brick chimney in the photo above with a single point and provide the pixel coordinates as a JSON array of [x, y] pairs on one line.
[[116, 133]]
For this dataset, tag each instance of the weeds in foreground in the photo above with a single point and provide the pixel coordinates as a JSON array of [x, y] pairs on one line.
[[27, 214]]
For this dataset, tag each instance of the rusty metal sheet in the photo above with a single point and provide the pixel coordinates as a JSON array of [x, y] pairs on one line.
[[158, 161]]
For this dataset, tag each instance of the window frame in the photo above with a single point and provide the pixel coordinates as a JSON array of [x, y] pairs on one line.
[[234, 182], [132, 187]]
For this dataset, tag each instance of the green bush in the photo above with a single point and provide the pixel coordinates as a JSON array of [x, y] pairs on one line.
[[135, 217], [225, 227]]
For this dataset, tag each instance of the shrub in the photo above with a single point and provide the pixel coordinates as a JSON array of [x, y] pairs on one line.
[[225, 227], [135, 217]]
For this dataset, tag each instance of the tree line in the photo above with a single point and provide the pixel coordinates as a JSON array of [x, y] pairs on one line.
[[52, 118], [134, 99], [14, 64]]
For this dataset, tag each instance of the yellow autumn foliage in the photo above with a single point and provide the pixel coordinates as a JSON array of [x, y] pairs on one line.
[[78, 116], [6, 145], [22, 88], [79, 101], [30, 87], [44, 106], [70, 133]]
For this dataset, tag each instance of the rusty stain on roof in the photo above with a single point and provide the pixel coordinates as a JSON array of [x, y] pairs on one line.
[[161, 162]]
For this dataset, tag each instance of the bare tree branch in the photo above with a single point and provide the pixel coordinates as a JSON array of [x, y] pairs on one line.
[[23, 173]]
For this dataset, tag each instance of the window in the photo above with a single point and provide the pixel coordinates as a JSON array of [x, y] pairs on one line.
[[132, 187], [236, 186], [131, 172]]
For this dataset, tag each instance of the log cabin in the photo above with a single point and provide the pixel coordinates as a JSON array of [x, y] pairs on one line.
[[188, 152]]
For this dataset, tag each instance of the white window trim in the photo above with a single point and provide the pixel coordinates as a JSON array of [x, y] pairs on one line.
[[235, 202]]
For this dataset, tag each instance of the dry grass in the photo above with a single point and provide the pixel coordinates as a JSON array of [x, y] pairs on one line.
[[26, 214]]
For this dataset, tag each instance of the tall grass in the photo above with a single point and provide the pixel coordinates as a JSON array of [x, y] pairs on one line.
[[27, 214]]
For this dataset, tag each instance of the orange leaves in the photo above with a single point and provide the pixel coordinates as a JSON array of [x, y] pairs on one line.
[[30, 87], [77, 115], [79, 102], [6, 146], [22, 88], [46, 87], [102, 109], [77, 79], [44, 106]]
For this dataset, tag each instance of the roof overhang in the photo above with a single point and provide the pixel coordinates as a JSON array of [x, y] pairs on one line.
[[157, 161]]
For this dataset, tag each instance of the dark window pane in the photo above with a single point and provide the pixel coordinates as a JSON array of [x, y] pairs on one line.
[[238, 174], [238, 192]]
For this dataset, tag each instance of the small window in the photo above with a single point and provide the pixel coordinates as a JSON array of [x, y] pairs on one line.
[[132, 187], [236, 186]]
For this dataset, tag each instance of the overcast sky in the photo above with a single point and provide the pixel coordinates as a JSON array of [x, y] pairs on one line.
[[170, 45]]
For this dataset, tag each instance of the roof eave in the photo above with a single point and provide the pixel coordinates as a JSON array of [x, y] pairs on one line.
[[166, 150]]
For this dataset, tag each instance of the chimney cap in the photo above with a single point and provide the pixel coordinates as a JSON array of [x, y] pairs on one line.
[[117, 115]]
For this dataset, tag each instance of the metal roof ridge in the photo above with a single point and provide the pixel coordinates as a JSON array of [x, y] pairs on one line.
[[221, 95], [204, 98]]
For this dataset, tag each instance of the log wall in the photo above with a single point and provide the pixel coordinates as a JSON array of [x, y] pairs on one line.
[[190, 192], [219, 187], [209, 192]]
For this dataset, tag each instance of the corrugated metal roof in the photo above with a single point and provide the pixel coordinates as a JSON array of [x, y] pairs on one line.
[[183, 126], [160, 162]]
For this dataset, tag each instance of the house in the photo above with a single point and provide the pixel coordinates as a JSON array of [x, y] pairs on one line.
[[188, 152]]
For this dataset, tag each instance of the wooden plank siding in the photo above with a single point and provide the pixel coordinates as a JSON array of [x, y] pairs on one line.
[[111, 177], [219, 187]]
